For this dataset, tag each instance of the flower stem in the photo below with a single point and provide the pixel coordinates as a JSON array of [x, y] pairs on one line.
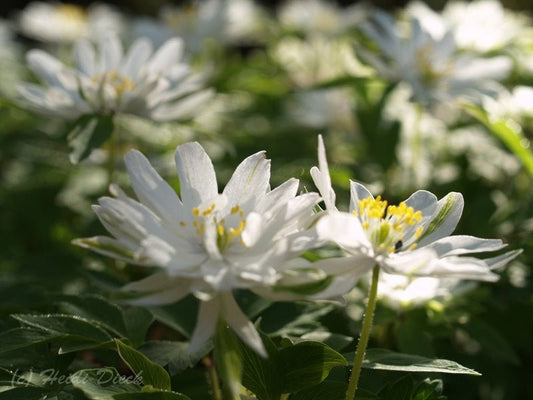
[[365, 334], [112, 156], [213, 377]]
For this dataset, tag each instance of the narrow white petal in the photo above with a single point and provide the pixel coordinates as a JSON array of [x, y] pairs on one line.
[[241, 325], [321, 177], [206, 323], [462, 244], [198, 182], [138, 54], [501, 260], [152, 190], [166, 56], [358, 192], [249, 181], [111, 52], [85, 57], [444, 219]]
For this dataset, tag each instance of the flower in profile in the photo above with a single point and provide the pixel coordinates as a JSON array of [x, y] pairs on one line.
[[428, 60], [159, 85], [411, 238], [208, 243]]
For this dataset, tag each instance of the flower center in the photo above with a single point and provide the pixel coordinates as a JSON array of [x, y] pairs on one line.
[[71, 12], [386, 226], [228, 229], [429, 72], [118, 82]]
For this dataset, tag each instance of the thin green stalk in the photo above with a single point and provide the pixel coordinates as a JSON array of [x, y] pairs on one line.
[[112, 156], [365, 334], [213, 377]]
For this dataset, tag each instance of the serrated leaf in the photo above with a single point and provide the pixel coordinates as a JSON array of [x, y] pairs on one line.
[[307, 364], [90, 132], [61, 324], [17, 338], [151, 396], [390, 360], [150, 373], [174, 354], [103, 383]]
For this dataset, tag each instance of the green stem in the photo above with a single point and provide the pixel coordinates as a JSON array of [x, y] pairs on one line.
[[365, 334], [113, 144], [213, 377]]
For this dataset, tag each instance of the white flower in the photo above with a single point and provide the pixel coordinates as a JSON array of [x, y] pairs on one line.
[[410, 239], [312, 16], [64, 22], [156, 85], [429, 62], [400, 291], [208, 243]]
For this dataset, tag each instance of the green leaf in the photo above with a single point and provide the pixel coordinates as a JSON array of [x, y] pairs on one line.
[[390, 360], [150, 373], [137, 321], [151, 396], [24, 393], [402, 389], [429, 390], [509, 132], [307, 364], [180, 316], [334, 340], [89, 132], [173, 354], [70, 325], [17, 338], [325, 391], [260, 375], [103, 383], [228, 360]]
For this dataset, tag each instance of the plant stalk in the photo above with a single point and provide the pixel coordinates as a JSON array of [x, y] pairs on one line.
[[365, 334], [213, 377]]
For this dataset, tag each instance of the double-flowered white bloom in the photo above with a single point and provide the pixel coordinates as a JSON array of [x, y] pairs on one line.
[[208, 243], [412, 238], [156, 85], [429, 61]]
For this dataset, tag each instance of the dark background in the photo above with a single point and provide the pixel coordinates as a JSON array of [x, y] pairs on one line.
[[8, 7]]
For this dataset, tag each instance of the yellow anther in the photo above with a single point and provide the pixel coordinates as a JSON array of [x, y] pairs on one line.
[[195, 224], [221, 230], [413, 246], [419, 231], [235, 209], [195, 211], [209, 210], [183, 223], [241, 213]]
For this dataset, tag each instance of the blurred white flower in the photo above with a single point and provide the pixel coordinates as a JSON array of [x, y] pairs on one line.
[[318, 16], [317, 59], [429, 62], [65, 23], [156, 85], [400, 291], [225, 21], [323, 108], [484, 25], [409, 239], [209, 243]]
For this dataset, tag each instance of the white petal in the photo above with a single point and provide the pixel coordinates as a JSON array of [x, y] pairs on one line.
[[152, 190], [462, 244], [206, 323], [253, 229], [159, 289], [241, 325], [343, 229], [249, 181], [198, 182], [358, 192], [85, 57], [501, 260], [111, 52], [166, 56], [278, 197], [321, 177], [139, 52], [444, 219]]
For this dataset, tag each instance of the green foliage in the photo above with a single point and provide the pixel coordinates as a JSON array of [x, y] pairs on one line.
[[89, 133]]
